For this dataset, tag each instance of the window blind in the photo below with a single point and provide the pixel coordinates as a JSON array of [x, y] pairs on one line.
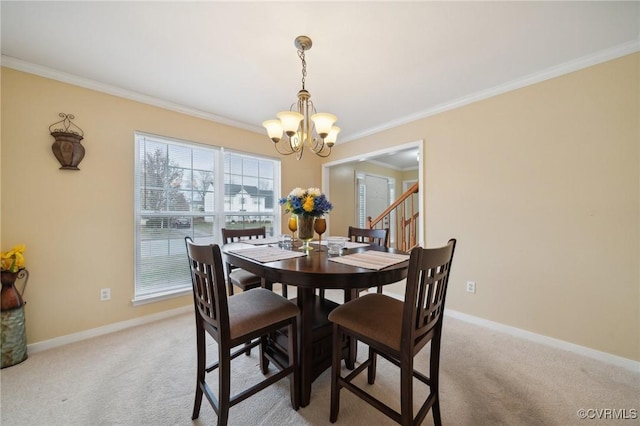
[[185, 189]]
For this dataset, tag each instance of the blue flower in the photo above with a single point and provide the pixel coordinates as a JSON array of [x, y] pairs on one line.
[[308, 202]]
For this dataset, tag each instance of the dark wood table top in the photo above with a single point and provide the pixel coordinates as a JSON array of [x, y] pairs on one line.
[[315, 270]]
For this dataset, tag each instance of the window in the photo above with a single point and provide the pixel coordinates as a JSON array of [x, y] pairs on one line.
[[184, 189], [249, 196]]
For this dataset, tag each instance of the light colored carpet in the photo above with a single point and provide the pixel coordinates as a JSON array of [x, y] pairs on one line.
[[146, 376]]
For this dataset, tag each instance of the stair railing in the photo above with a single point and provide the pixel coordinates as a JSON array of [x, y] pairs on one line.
[[404, 214]]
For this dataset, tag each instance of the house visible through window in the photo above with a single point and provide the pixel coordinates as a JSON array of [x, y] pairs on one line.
[[185, 189]]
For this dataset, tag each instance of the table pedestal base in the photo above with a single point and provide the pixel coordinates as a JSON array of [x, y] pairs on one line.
[[315, 353]]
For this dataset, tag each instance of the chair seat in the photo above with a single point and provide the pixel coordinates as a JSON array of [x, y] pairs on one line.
[[374, 315], [244, 279], [244, 318]]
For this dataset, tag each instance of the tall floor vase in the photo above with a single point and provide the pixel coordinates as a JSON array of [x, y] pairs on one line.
[[13, 337]]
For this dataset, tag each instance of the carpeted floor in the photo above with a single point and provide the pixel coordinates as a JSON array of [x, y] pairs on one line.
[[146, 376]]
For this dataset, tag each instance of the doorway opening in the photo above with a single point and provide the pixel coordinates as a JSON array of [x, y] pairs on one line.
[[346, 184]]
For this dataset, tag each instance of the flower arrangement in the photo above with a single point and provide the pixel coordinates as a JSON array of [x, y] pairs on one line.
[[13, 260], [306, 202]]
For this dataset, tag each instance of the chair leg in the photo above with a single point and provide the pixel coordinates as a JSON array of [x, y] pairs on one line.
[[350, 361], [437, 420], [201, 361], [248, 351], [352, 355], [335, 373], [264, 362], [371, 370], [294, 378], [197, 403], [284, 291], [434, 369], [224, 386], [406, 391]]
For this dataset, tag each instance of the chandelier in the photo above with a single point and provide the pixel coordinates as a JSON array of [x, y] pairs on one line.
[[303, 125]]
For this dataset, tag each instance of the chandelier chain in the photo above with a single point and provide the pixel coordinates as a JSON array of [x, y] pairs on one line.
[[304, 66]]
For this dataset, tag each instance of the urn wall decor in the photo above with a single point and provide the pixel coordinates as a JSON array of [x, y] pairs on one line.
[[67, 147]]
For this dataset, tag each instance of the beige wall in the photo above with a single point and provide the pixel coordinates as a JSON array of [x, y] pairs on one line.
[[408, 175], [78, 225], [541, 187]]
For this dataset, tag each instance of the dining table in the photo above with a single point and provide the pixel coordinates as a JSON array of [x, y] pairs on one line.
[[358, 266]]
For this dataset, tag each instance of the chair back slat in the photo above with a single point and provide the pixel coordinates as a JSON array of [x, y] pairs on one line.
[[426, 290], [423, 293], [235, 235], [372, 236], [207, 278]]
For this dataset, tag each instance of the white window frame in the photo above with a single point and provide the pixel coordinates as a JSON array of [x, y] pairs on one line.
[[178, 282]]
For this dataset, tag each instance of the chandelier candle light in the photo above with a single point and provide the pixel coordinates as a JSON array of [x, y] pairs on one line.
[[303, 126]]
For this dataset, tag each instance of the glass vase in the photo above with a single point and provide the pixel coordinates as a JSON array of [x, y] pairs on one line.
[[305, 230]]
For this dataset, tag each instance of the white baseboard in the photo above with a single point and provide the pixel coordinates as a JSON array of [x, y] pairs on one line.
[[111, 328], [513, 331], [628, 364]]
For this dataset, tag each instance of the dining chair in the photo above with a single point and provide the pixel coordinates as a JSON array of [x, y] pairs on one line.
[[237, 277], [397, 330], [364, 235], [373, 236], [248, 317]]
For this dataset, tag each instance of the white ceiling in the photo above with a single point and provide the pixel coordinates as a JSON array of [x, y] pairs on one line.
[[403, 160], [373, 64]]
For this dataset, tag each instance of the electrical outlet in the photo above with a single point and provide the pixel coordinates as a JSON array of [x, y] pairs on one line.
[[471, 286], [105, 294]]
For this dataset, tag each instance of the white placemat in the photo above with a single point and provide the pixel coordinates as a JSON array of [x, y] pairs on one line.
[[264, 254], [371, 259]]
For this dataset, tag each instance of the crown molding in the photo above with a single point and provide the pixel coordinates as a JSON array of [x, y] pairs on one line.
[[20, 65], [547, 74]]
